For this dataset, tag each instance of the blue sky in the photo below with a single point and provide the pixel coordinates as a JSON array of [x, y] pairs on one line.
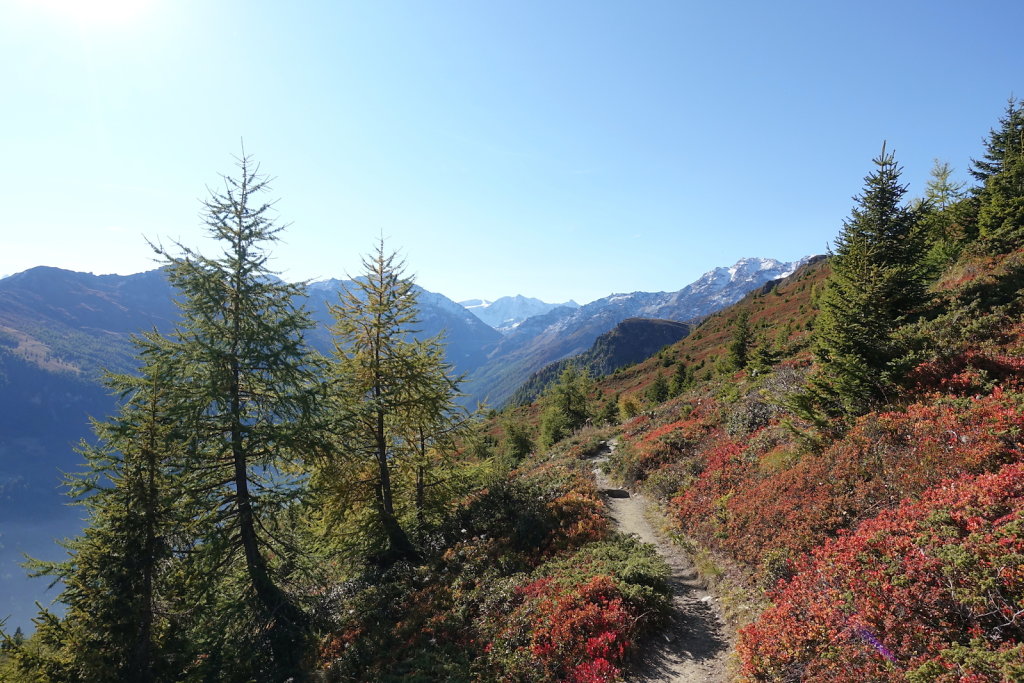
[[553, 149]]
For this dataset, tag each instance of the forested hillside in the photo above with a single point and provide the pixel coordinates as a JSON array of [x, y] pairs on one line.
[[629, 342], [840, 453]]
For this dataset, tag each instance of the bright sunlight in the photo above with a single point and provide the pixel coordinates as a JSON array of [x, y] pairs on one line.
[[97, 12]]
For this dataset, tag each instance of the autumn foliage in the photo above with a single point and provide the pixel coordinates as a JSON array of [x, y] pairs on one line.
[[579, 633], [891, 546], [527, 583], [930, 591]]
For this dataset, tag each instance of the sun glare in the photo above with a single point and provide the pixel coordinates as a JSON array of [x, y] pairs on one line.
[[97, 12]]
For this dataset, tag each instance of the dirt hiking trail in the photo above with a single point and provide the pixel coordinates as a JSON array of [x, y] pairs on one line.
[[692, 648]]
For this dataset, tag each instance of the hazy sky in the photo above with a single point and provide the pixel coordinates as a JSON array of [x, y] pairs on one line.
[[554, 149]]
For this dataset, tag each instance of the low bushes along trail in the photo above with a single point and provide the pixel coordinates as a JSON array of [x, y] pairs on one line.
[[693, 646]]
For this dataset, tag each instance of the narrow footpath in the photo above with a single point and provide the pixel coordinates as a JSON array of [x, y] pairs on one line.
[[692, 648]]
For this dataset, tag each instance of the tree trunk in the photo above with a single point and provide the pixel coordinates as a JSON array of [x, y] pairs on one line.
[[284, 620], [399, 544]]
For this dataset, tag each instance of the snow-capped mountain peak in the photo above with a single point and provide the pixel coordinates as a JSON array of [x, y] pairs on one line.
[[746, 271], [506, 313]]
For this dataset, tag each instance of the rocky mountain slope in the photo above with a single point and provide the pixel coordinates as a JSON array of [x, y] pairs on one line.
[[631, 341]]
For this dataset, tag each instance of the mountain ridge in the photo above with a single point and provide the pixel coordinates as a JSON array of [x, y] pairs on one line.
[[562, 333], [630, 341]]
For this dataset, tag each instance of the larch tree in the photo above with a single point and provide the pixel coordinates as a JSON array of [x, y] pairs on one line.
[[249, 392], [875, 283], [946, 220], [430, 432], [393, 398]]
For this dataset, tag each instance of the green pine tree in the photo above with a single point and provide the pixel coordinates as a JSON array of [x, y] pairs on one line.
[[1001, 172], [1003, 143], [875, 283], [658, 391], [117, 588], [738, 351], [682, 379], [566, 406], [765, 355], [518, 441], [247, 390]]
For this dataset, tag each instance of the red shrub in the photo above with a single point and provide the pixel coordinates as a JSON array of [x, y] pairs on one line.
[[934, 587], [886, 459], [574, 634], [966, 373]]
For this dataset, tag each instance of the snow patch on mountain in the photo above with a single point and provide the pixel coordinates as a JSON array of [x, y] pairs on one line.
[[508, 312]]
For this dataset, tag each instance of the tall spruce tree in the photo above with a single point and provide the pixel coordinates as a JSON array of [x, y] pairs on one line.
[[875, 283], [247, 389], [1001, 173], [741, 342]]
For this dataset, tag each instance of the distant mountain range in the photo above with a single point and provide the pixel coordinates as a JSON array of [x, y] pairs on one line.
[[564, 332], [58, 331], [467, 339], [508, 312]]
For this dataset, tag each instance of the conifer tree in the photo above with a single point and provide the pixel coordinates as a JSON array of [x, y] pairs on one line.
[[945, 217], [609, 412], [1003, 144], [875, 283], [682, 378], [1001, 172], [394, 400], [658, 392], [247, 390], [765, 355], [566, 406], [429, 432], [117, 592], [518, 442], [741, 341]]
